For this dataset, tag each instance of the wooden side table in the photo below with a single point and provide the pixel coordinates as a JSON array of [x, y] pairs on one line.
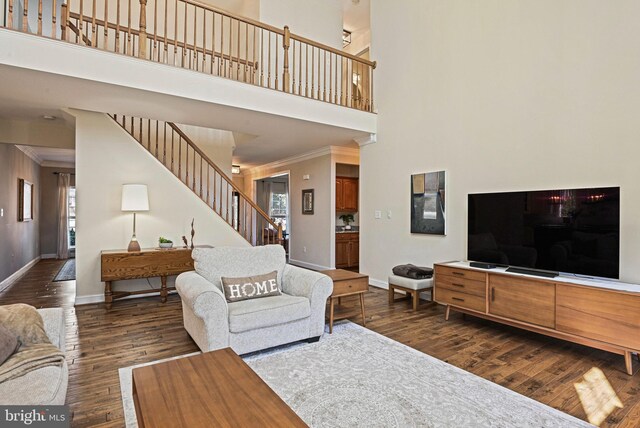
[[346, 283], [117, 265]]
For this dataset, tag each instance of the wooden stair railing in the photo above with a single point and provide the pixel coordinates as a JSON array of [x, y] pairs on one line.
[[175, 150], [200, 37]]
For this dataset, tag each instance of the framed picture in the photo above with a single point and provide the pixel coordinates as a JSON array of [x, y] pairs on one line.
[[307, 201], [25, 200], [428, 203]]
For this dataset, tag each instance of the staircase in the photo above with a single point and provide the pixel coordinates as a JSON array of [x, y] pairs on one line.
[[200, 37], [173, 149]]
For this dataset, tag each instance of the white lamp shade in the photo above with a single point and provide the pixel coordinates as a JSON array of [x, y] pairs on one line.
[[135, 197]]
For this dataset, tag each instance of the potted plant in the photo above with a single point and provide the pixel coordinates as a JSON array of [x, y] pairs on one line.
[[165, 243], [347, 219]]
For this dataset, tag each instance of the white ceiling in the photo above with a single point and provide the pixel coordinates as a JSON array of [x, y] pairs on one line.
[[355, 14], [50, 156]]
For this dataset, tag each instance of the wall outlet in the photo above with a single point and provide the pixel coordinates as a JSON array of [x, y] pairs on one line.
[[377, 214], [304, 249]]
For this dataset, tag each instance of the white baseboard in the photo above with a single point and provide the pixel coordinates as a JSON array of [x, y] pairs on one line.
[[311, 266], [18, 274], [380, 284], [99, 298], [48, 256]]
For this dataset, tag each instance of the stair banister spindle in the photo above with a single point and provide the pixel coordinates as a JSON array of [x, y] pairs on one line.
[[94, 32], [106, 26], [276, 70], [39, 17], [117, 38], [195, 42], [154, 49], [128, 46], [10, 15], [25, 16], [184, 41], [238, 54], [230, 48], [194, 171], [142, 40], [63, 18], [286, 41]]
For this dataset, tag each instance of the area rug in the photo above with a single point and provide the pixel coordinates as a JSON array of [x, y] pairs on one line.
[[358, 378], [67, 272]]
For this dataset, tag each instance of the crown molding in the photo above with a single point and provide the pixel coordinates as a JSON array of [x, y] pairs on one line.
[[58, 164], [27, 150], [328, 150], [365, 141]]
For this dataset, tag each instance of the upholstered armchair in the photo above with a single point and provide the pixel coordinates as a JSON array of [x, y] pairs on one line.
[[255, 324]]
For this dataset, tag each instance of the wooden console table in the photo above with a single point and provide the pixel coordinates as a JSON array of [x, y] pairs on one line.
[[600, 314], [117, 265]]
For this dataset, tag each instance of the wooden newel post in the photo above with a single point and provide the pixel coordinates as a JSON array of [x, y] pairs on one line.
[[142, 41], [10, 15], [286, 40], [64, 18], [280, 238]]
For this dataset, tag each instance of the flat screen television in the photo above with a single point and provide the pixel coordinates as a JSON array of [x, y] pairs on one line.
[[573, 231]]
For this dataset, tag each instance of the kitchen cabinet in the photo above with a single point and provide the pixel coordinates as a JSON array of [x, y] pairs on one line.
[[347, 250], [346, 194]]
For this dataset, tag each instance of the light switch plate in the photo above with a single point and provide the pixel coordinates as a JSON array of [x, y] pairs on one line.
[[389, 214], [1, 212], [377, 214]]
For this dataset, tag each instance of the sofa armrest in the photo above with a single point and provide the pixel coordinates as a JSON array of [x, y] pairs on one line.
[[204, 310], [204, 298], [315, 286], [54, 326]]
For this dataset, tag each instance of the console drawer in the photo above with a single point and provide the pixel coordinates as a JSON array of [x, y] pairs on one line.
[[462, 285], [350, 286], [462, 300], [461, 273]]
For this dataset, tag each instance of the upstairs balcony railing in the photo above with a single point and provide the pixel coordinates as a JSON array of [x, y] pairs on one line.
[[206, 39]]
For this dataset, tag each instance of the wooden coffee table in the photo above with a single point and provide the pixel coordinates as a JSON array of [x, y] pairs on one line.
[[211, 389], [346, 283]]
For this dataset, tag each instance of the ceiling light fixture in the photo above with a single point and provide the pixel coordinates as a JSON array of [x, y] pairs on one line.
[[48, 117], [235, 169], [346, 38]]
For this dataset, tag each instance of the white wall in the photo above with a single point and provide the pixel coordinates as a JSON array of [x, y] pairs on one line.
[[318, 20], [217, 144], [503, 95], [108, 157]]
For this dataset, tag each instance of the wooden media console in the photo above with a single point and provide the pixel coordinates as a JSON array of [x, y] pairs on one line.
[[600, 314]]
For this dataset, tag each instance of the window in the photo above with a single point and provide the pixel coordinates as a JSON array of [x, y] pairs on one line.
[[72, 217], [278, 208]]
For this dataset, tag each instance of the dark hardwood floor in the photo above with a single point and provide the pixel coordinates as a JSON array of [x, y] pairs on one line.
[[141, 330]]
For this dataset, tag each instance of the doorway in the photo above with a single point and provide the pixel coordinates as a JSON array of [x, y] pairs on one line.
[[272, 196]]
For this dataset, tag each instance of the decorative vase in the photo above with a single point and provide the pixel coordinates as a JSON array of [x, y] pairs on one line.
[[166, 244], [347, 227]]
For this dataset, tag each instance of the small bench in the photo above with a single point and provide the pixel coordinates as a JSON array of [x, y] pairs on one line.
[[413, 288]]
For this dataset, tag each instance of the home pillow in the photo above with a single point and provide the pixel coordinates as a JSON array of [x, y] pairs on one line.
[[251, 287], [8, 344]]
